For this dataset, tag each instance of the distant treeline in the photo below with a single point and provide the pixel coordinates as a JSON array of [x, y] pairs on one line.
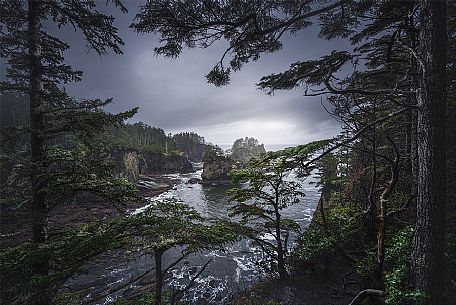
[[139, 136]]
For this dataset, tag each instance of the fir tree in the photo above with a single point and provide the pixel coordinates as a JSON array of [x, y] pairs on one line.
[[37, 69]]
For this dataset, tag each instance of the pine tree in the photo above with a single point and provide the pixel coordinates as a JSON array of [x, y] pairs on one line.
[[37, 69]]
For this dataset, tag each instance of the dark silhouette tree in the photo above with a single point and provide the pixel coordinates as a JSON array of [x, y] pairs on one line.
[[170, 224], [262, 191], [36, 68], [260, 206]]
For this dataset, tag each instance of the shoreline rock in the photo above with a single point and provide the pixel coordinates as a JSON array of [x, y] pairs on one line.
[[132, 164], [216, 170]]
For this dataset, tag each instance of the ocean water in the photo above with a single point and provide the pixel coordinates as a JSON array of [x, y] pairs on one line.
[[231, 270]]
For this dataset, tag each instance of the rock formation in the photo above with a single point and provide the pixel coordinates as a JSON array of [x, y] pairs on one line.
[[161, 163], [244, 149], [131, 164], [216, 169]]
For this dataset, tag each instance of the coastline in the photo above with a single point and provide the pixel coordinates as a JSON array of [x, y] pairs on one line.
[[85, 209]]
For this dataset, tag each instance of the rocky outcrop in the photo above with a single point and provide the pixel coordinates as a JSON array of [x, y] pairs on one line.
[[131, 164], [216, 169], [160, 163], [130, 168], [245, 149]]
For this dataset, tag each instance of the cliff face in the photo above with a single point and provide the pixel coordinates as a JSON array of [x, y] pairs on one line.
[[160, 163], [132, 164], [217, 169]]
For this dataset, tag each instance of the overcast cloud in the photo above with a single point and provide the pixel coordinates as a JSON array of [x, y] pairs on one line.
[[174, 95]]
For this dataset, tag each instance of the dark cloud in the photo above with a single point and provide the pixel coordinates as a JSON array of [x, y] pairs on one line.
[[174, 95]]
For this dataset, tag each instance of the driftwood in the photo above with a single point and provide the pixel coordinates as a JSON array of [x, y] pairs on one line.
[[365, 294]]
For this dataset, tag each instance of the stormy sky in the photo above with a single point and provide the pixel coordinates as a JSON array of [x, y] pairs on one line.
[[174, 95]]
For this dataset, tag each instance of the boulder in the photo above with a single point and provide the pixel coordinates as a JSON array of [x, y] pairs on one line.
[[193, 181]]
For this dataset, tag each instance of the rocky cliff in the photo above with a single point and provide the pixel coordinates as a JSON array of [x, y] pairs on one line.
[[132, 164], [216, 169], [160, 163]]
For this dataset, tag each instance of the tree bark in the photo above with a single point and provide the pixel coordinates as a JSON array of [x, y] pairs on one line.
[[158, 277], [371, 209], [428, 246], [280, 248], [39, 209], [383, 214], [413, 115]]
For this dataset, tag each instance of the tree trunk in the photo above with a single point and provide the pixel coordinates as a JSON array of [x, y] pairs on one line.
[[413, 115], [281, 263], [383, 216], [280, 249], [371, 208], [39, 209], [38, 205], [414, 149], [428, 247], [158, 277]]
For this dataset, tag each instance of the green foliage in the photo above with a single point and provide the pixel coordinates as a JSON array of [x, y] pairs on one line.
[[62, 128], [169, 223], [328, 174], [315, 245], [297, 158], [139, 136], [246, 148], [397, 281], [195, 146], [144, 138], [300, 152], [251, 28], [261, 191], [63, 253], [71, 168], [366, 267], [85, 168], [163, 225], [310, 73], [67, 298]]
